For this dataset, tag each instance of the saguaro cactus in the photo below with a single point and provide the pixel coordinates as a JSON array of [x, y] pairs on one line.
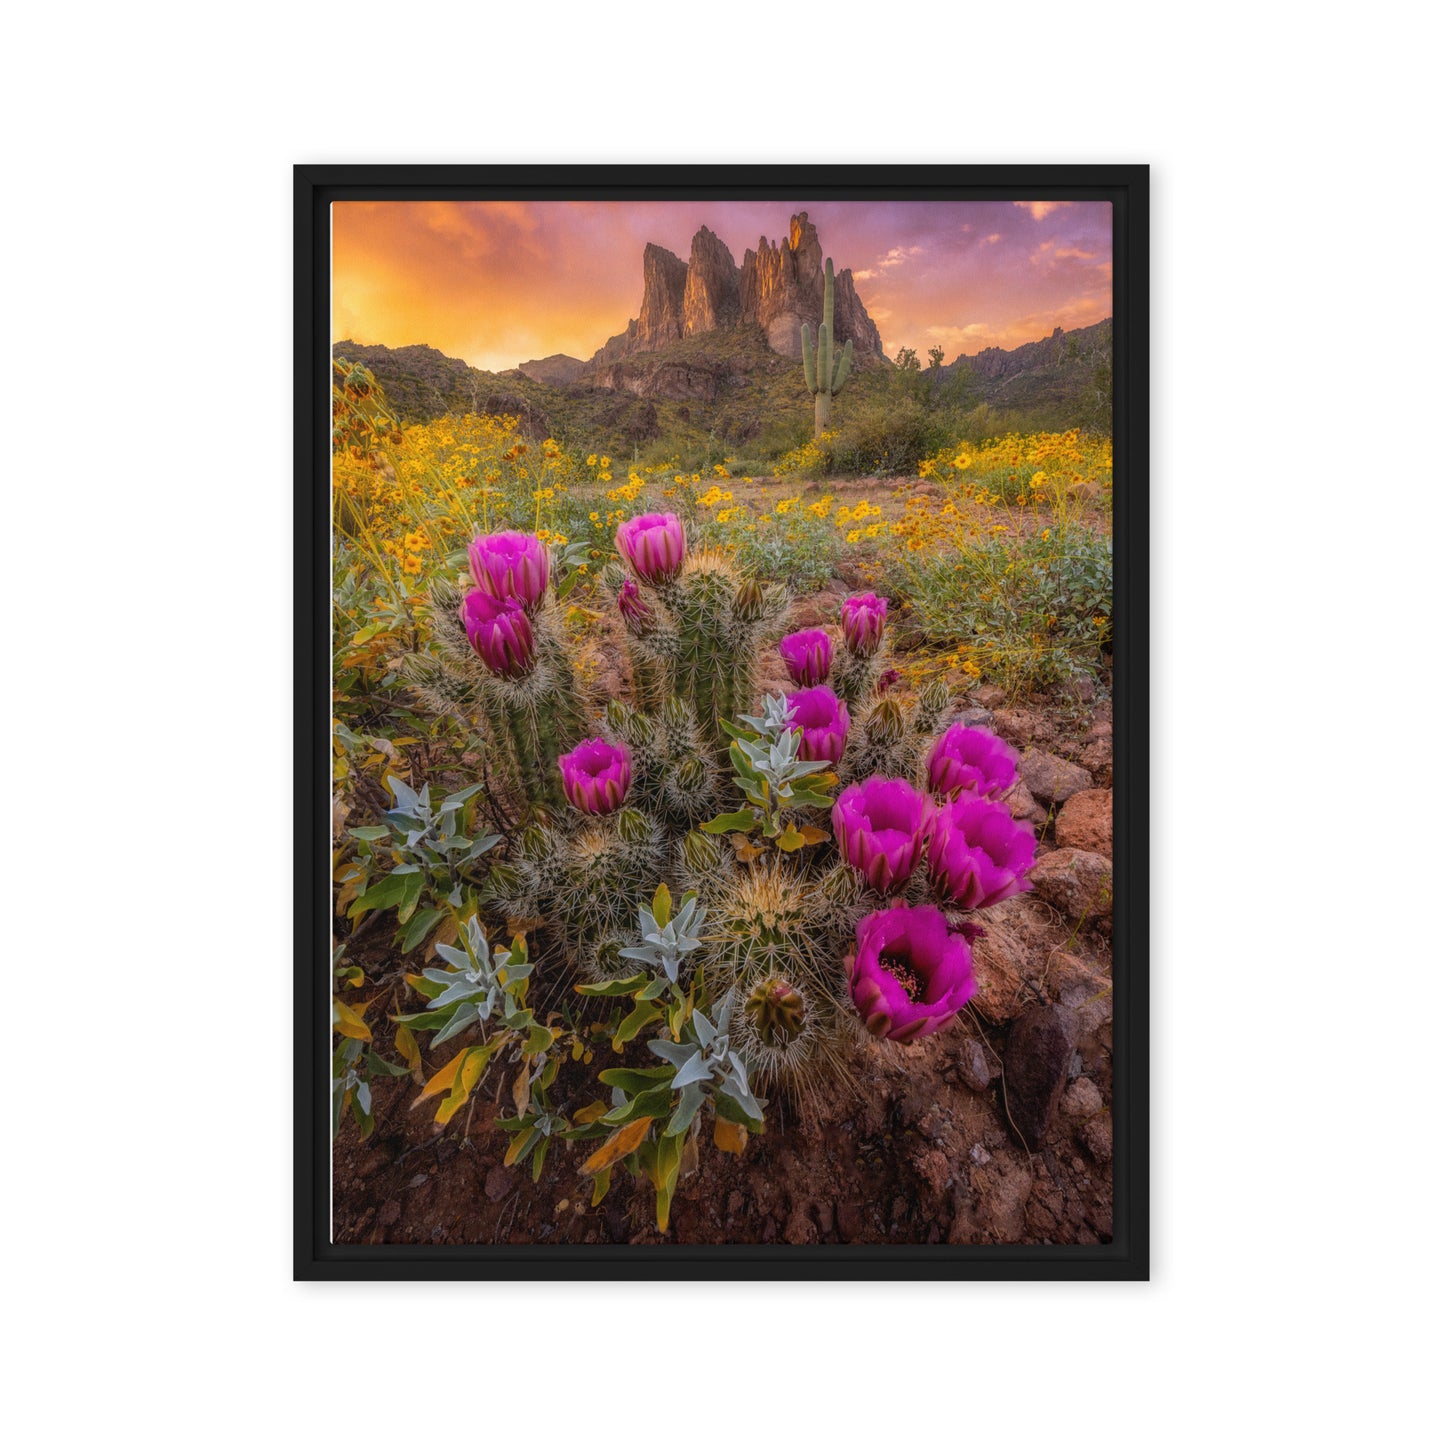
[[823, 371]]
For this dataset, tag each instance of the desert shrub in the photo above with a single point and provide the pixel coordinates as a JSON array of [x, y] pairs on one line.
[[888, 435], [1022, 609]]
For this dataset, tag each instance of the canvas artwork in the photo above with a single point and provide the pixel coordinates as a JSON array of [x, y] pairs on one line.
[[722, 717]]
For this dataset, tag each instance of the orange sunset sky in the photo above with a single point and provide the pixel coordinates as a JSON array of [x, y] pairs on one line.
[[501, 282]]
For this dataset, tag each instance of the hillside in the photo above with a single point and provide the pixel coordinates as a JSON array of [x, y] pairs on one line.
[[730, 391], [1066, 377]]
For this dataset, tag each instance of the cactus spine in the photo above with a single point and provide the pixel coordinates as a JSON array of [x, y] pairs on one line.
[[824, 371]]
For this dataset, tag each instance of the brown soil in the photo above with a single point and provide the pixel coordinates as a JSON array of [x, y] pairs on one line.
[[931, 1148]]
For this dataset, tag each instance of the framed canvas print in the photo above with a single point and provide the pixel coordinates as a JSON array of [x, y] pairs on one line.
[[722, 722]]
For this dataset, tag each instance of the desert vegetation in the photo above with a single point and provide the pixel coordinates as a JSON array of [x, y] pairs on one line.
[[674, 803]]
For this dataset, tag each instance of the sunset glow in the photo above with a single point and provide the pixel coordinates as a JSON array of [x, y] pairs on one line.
[[500, 282]]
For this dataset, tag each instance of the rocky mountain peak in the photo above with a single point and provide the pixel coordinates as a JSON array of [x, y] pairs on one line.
[[778, 287]]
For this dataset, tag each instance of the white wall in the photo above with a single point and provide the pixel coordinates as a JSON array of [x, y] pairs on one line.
[[1296, 521]]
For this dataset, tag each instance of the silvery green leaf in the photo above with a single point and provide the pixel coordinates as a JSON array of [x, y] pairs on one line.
[[456, 991], [687, 1107], [464, 1016], [453, 956], [743, 1096], [455, 896], [642, 955], [484, 844], [363, 1095], [618, 1098], [695, 1069], [455, 800], [675, 1054], [706, 1031], [407, 868], [517, 974], [405, 797]]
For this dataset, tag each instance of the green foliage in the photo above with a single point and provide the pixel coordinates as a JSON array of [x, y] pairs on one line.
[[421, 860], [1035, 608]]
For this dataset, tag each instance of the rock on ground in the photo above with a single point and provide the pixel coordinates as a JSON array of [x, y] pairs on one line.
[[1078, 883], [1036, 1068], [1087, 821], [1052, 779]]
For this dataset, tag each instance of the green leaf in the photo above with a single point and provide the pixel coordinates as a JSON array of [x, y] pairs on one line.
[[662, 905], [455, 800], [643, 1016], [730, 1110], [412, 884], [386, 892], [687, 1108], [740, 762], [746, 735], [790, 840], [652, 1104], [636, 1081], [371, 834], [743, 821], [378, 1068], [421, 924], [616, 988]]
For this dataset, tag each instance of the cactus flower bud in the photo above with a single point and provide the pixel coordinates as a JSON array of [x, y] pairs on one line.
[[750, 601], [882, 826], [823, 719], [808, 655], [654, 545], [635, 612], [596, 775], [863, 619], [978, 854], [888, 678], [499, 632], [632, 826], [910, 975], [777, 1011], [885, 722], [970, 762], [692, 775], [701, 853], [511, 564]]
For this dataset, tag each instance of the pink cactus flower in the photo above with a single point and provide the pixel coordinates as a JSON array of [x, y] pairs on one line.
[[910, 975]]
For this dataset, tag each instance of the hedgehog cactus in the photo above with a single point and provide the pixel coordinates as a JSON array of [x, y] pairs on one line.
[[783, 822], [824, 370]]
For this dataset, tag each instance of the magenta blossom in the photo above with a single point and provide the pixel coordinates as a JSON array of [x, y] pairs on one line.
[[978, 854], [823, 718], [882, 827], [910, 975], [636, 614], [863, 619], [499, 631], [971, 762], [808, 654], [654, 545], [511, 564], [596, 774]]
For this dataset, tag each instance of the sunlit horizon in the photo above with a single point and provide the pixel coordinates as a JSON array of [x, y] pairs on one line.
[[496, 283]]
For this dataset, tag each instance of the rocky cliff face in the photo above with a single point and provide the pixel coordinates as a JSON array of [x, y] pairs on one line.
[[778, 287], [664, 282], [710, 300]]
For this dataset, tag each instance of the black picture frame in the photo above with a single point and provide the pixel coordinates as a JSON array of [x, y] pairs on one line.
[[1126, 1256]]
